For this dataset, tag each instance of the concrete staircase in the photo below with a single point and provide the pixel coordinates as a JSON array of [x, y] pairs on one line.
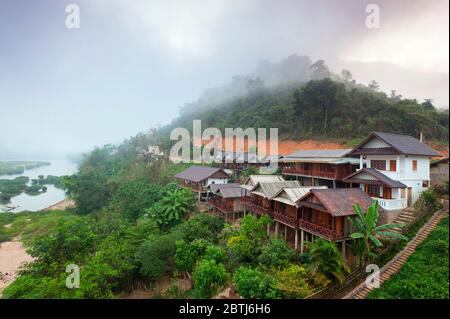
[[406, 217]]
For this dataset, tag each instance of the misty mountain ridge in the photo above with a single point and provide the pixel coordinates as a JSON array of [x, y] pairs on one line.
[[306, 100]]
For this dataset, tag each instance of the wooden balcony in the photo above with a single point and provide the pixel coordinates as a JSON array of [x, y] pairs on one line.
[[193, 187], [320, 231], [220, 206], [311, 173], [285, 219], [254, 207]]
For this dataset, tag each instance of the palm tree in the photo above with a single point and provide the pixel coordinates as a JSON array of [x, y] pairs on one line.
[[367, 232], [327, 264]]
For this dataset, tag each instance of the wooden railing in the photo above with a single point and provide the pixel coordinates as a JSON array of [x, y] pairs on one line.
[[219, 205], [254, 207], [194, 187], [294, 170], [319, 230], [285, 219]]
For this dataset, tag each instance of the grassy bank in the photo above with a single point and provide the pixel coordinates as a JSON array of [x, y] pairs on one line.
[[18, 167], [425, 274]]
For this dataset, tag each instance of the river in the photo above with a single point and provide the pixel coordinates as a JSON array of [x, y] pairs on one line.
[[53, 194]]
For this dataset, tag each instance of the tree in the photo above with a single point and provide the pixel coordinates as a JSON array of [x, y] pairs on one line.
[[172, 207], [208, 278], [187, 254], [252, 283], [276, 254], [368, 233], [319, 70], [327, 264], [292, 281], [346, 75], [374, 85], [201, 226]]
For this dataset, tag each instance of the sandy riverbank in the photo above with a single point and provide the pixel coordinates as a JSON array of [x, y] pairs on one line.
[[12, 256], [64, 204]]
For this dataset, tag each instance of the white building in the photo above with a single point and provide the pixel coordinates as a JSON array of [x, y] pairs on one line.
[[397, 169]]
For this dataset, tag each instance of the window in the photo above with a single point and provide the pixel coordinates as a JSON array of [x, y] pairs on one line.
[[414, 165], [387, 192], [393, 165], [373, 190], [378, 164], [425, 184]]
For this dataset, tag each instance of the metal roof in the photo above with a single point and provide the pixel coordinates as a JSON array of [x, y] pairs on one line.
[[255, 179], [383, 179], [294, 194], [271, 189], [333, 153], [402, 144], [198, 173], [217, 187], [337, 161]]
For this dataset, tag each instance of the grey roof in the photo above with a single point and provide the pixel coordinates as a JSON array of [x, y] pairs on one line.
[[334, 156], [294, 194], [198, 173], [403, 144], [334, 153], [385, 180], [271, 189], [252, 180], [217, 187]]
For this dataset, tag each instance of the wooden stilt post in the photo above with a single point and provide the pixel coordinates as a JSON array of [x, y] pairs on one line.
[[268, 229], [296, 239], [302, 241], [276, 229], [285, 233]]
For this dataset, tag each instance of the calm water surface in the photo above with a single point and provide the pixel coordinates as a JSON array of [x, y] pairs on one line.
[[52, 196]]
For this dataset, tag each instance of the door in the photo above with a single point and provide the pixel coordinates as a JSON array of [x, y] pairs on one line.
[[409, 196]]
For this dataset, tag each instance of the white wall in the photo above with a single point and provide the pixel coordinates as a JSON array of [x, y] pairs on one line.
[[210, 181]]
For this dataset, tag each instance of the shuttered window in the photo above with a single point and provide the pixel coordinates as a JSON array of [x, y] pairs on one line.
[[378, 164], [393, 165], [414, 166]]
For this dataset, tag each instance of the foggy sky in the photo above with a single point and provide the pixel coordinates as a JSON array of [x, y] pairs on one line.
[[132, 64]]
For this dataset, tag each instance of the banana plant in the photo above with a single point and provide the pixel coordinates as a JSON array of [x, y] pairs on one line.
[[367, 231]]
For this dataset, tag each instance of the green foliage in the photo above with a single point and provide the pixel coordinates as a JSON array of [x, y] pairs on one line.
[[327, 265], [245, 246], [292, 282], [156, 254], [201, 226], [323, 108], [276, 254], [133, 197], [215, 253], [187, 254], [367, 232], [252, 283], [427, 201], [425, 274], [172, 207], [208, 277], [18, 167], [12, 187]]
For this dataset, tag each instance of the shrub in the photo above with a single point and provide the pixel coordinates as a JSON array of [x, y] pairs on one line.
[[427, 202], [215, 253], [291, 282], [187, 254], [208, 278], [252, 283], [276, 254], [201, 226], [155, 255]]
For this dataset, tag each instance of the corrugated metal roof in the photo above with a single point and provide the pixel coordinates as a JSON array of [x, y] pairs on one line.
[[198, 173], [337, 161], [271, 189], [334, 153], [404, 144], [255, 179], [216, 187], [294, 194]]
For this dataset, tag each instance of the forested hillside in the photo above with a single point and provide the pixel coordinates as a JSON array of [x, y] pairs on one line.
[[316, 104]]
